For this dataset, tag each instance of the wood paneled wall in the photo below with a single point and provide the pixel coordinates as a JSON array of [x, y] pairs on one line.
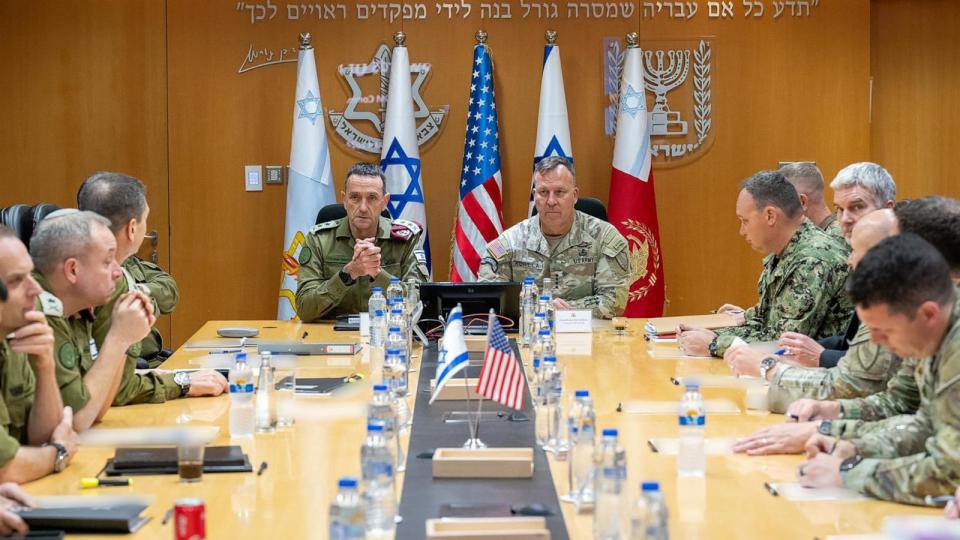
[[915, 64], [152, 88]]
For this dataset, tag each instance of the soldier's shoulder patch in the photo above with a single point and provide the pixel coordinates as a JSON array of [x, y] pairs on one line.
[[305, 256], [50, 304], [332, 224], [403, 229], [67, 355], [496, 249], [420, 255]]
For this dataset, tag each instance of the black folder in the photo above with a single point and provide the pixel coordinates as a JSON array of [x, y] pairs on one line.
[[118, 518], [216, 459]]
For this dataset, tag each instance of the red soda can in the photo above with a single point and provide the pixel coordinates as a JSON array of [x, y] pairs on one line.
[[189, 520]]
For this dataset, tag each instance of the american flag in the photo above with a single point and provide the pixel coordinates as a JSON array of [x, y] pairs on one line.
[[479, 213], [501, 378]]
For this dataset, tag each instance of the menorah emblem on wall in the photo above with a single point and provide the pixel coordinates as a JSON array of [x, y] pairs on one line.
[[662, 77]]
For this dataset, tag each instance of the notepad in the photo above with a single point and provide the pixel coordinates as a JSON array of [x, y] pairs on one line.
[[216, 459], [711, 406], [91, 514], [668, 325], [718, 381], [712, 446]]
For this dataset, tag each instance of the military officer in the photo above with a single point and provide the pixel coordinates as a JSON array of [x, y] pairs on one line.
[[342, 260], [122, 200], [31, 410], [801, 287], [903, 292], [808, 181], [587, 258]]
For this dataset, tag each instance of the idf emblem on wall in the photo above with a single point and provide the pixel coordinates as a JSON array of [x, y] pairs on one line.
[[677, 81], [360, 124]]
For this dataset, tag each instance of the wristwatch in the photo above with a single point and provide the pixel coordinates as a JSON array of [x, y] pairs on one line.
[[346, 278], [63, 457], [825, 427], [766, 365], [850, 462], [182, 378]]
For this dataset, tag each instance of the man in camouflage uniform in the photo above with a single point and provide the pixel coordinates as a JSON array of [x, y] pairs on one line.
[[31, 411], [903, 292], [342, 260], [122, 200], [163, 291], [587, 258], [808, 181], [801, 287]]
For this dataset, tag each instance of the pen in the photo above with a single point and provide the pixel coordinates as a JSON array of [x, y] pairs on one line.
[[652, 446], [166, 516], [941, 500], [304, 336], [225, 351], [771, 488], [103, 482], [263, 467]]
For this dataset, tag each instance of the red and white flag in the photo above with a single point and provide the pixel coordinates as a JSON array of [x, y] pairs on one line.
[[633, 205], [501, 378]]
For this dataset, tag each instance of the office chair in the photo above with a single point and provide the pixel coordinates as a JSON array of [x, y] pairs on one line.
[[334, 211], [588, 205]]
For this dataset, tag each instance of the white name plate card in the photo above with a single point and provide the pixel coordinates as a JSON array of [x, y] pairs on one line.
[[574, 321]]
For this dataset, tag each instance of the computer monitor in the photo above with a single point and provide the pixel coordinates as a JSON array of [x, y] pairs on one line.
[[476, 299]]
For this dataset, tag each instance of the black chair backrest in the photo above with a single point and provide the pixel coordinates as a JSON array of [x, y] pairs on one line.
[[23, 219], [334, 211], [588, 205]]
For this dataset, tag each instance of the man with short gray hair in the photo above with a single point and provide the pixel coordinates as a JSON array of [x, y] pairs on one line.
[[77, 268], [587, 258], [807, 179], [801, 287], [859, 189]]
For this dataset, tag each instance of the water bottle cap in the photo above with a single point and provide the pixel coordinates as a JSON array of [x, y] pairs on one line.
[[375, 427], [550, 359], [392, 352], [397, 310], [394, 280], [528, 280], [545, 297], [347, 482], [242, 356], [377, 289], [394, 329], [538, 315], [581, 393], [692, 385], [610, 432], [380, 387], [544, 331], [650, 486]]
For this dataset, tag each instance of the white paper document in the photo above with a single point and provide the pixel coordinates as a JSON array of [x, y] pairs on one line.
[[712, 406], [795, 492], [721, 446]]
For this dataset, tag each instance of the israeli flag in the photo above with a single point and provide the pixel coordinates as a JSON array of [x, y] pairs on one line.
[[400, 156], [553, 125], [310, 185], [453, 352]]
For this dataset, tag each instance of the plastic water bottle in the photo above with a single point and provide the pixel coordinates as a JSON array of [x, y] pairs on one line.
[[581, 422], [691, 458], [551, 390], [650, 520], [347, 518], [266, 396], [394, 291], [383, 411], [398, 319], [394, 377], [242, 414], [396, 341], [528, 293], [546, 302], [610, 474], [379, 495], [378, 317]]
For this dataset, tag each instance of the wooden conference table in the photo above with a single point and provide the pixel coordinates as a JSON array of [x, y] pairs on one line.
[[290, 499]]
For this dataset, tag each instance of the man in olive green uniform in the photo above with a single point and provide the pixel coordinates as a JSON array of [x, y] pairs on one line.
[[163, 291], [122, 200], [587, 258], [75, 257], [808, 181], [801, 287], [342, 260], [31, 410], [903, 292]]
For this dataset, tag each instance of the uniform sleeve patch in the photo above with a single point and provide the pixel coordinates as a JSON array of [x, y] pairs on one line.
[[305, 255], [399, 231], [497, 249], [67, 355], [420, 255]]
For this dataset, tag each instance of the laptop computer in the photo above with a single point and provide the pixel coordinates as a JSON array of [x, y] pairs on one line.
[[476, 299]]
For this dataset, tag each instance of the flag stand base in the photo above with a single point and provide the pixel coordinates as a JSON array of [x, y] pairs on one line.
[[474, 443]]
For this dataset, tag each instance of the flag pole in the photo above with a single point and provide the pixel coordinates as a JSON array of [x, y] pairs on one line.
[[476, 433], [471, 441]]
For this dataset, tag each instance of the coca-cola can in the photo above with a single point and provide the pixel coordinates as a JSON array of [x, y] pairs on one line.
[[189, 520]]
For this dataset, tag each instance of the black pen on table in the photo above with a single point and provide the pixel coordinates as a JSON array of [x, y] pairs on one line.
[[304, 336], [263, 467]]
